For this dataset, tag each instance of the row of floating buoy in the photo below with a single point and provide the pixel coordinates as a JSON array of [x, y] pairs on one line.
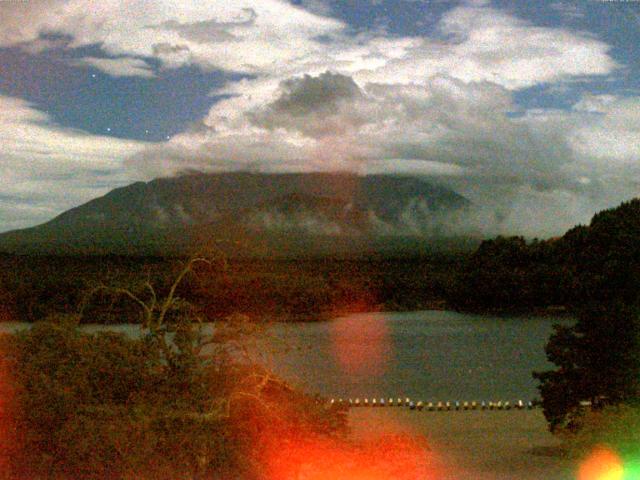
[[433, 406]]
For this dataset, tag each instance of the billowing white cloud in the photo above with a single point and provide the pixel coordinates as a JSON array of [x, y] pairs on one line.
[[46, 169], [462, 133], [612, 133], [245, 35], [273, 38], [330, 122], [487, 44]]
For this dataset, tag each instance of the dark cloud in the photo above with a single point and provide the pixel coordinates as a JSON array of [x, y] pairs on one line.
[[302, 96], [160, 49], [210, 31], [317, 106]]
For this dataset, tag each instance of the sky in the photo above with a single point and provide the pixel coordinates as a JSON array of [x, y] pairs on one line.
[[529, 109]]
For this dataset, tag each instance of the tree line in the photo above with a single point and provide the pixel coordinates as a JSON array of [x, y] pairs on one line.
[[33, 287], [593, 271]]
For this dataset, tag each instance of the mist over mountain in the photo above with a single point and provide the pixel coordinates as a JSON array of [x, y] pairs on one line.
[[172, 214]]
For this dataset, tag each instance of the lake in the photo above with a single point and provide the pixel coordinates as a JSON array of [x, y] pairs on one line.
[[429, 355]]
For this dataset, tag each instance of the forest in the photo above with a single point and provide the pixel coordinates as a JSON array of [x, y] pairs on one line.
[[595, 263], [32, 287]]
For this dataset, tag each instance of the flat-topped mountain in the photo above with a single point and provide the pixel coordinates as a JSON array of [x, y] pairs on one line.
[[170, 214]]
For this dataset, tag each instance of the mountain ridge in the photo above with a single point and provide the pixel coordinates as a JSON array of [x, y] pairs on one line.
[[175, 212]]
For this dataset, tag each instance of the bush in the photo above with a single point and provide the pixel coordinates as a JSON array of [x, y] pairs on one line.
[[107, 406]]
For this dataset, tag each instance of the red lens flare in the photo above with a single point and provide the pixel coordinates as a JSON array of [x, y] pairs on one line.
[[601, 464], [387, 458], [7, 428], [367, 352]]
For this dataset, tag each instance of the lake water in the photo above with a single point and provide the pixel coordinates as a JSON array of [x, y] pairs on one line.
[[432, 355], [429, 355]]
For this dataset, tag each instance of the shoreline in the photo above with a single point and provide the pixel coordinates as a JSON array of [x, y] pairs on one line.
[[327, 316]]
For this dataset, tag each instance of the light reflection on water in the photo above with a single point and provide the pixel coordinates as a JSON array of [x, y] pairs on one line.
[[432, 355]]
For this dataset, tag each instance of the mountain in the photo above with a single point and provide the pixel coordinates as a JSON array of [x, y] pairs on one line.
[[307, 210]]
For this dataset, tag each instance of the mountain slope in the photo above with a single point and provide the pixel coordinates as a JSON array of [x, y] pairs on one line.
[[168, 214]]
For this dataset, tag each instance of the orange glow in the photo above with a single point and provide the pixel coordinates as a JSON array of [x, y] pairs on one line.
[[6, 421], [396, 457], [367, 352], [601, 464]]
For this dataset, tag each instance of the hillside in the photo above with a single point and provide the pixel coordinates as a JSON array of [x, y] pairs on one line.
[[309, 212], [589, 264]]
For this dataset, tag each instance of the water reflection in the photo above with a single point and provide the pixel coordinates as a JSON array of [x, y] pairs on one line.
[[372, 353]]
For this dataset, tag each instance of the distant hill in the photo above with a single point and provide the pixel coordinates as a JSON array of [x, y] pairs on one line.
[[270, 214]]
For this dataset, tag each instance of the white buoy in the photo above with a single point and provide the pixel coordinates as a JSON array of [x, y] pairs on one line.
[[465, 406], [430, 406], [507, 405], [382, 402], [448, 405], [366, 402], [420, 405], [332, 401], [457, 404], [520, 405], [500, 405], [474, 405], [483, 405], [412, 406], [374, 403], [357, 402], [529, 405], [440, 406], [407, 402]]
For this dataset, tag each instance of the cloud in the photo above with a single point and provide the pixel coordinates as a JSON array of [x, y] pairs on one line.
[[520, 168], [611, 133], [314, 106], [329, 122], [211, 31], [273, 38], [47, 169], [323, 97], [568, 10], [118, 67], [246, 36], [482, 43]]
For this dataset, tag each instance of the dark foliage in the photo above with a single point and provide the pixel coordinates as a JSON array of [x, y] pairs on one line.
[[176, 402], [597, 361], [594, 273], [509, 274], [589, 264], [32, 287]]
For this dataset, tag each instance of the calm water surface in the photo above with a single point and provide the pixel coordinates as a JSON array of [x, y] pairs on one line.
[[433, 355]]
